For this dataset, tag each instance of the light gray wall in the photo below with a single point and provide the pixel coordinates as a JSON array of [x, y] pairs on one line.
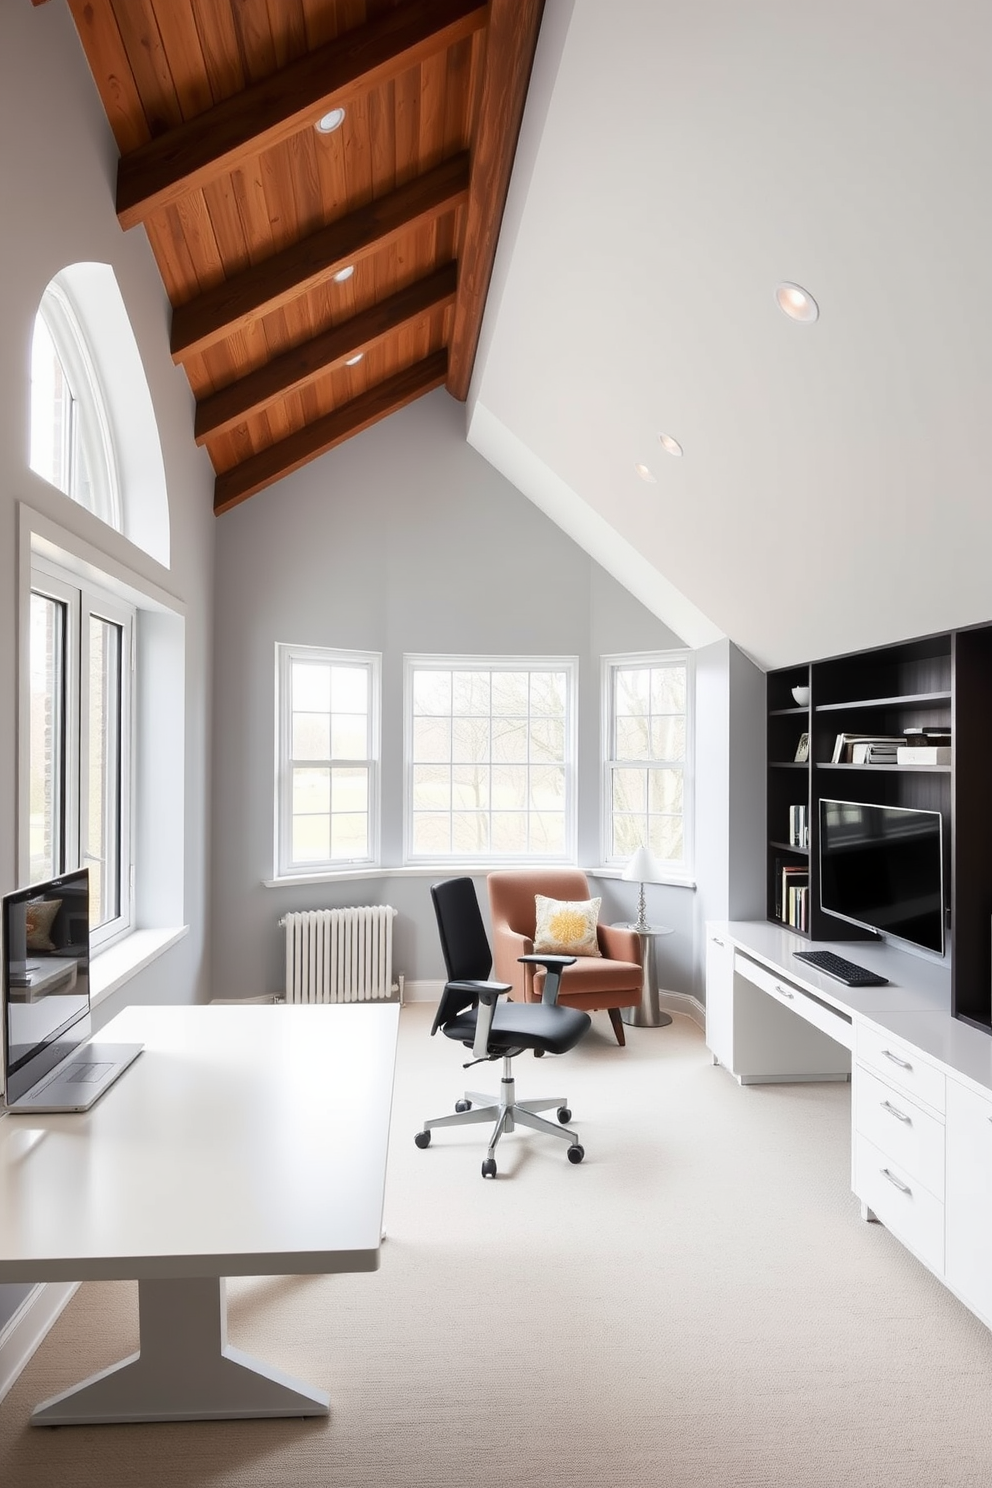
[[403, 539], [57, 175], [57, 170]]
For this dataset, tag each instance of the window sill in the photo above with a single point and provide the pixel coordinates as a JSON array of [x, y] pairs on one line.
[[433, 870], [671, 880], [110, 969]]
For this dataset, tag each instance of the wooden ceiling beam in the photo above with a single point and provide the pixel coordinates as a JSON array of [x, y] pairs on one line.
[[288, 373], [222, 311], [511, 41], [287, 455], [184, 158]]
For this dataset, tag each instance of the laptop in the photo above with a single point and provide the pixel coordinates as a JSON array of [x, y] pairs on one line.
[[51, 1063]]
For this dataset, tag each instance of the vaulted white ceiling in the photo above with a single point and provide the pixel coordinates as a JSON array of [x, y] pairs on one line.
[[678, 161]]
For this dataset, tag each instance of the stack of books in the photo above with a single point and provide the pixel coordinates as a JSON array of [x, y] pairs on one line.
[[867, 749], [876, 751]]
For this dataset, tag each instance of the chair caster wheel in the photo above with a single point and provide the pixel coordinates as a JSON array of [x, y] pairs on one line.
[[463, 1105], [539, 1053], [564, 1115], [576, 1153], [489, 1168], [423, 1139]]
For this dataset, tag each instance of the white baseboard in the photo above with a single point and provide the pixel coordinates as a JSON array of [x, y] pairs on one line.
[[422, 991], [683, 1002], [26, 1329]]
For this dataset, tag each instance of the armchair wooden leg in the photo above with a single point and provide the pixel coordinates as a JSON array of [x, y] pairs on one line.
[[617, 1022]]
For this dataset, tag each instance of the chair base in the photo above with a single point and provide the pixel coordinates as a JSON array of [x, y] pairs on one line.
[[509, 1113]]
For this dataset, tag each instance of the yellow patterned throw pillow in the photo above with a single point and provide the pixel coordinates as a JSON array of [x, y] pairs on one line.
[[567, 927]]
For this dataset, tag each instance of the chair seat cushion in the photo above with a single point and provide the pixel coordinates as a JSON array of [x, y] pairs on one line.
[[525, 1025]]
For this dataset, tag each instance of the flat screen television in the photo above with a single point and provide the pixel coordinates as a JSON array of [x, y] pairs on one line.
[[46, 986], [881, 867]]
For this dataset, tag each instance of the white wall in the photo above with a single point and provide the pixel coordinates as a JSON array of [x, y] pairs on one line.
[[403, 539], [57, 172], [730, 792]]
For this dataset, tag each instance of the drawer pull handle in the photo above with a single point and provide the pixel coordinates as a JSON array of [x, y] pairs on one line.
[[896, 1182], [785, 992], [902, 1063], [899, 1115], [717, 941]]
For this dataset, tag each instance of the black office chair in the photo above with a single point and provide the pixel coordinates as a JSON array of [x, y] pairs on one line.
[[470, 1011]]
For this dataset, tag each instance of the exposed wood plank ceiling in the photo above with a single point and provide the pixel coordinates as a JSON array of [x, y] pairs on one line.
[[251, 213]]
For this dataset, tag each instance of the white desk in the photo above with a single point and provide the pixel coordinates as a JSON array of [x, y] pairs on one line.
[[244, 1141], [921, 1083]]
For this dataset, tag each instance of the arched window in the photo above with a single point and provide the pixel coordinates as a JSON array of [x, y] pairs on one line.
[[93, 429], [71, 444]]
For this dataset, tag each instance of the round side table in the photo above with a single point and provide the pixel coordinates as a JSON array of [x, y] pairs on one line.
[[647, 1014]]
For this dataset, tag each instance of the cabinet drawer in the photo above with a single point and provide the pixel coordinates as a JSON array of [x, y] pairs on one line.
[[902, 1066], [827, 1019], [901, 1202], [911, 1136]]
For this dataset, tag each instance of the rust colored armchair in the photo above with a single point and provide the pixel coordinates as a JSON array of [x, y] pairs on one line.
[[612, 981]]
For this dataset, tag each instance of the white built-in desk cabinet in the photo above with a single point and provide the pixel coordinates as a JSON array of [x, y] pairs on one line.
[[921, 1082]]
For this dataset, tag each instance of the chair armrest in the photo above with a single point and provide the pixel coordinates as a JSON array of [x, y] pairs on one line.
[[488, 994], [554, 966], [619, 944]]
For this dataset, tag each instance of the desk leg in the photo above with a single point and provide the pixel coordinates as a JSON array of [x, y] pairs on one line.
[[184, 1370]]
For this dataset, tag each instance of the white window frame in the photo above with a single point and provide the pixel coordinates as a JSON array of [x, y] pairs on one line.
[[678, 872], [88, 430], [286, 654], [567, 664], [82, 599]]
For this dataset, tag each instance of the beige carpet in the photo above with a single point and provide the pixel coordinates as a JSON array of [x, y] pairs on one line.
[[697, 1304]]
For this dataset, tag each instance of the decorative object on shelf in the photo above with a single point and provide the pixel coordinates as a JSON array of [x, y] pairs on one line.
[[802, 749], [801, 695], [923, 754], [643, 868], [798, 827]]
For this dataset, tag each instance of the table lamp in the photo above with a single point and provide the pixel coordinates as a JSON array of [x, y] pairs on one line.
[[643, 868]]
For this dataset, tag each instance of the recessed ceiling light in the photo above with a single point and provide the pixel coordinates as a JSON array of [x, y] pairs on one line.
[[343, 274], [353, 361], [671, 445], [327, 123], [797, 303], [646, 475]]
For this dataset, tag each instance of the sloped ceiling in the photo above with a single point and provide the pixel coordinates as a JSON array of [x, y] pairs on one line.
[[321, 182], [677, 162]]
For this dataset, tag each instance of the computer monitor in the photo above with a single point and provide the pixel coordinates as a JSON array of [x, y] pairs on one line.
[[46, 985]]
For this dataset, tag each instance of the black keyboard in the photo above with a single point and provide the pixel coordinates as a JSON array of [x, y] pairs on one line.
[[842, 971]]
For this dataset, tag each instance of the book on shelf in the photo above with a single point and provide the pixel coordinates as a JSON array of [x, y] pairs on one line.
[[844, 745], [924, 754], [797, 911], [798, 826]]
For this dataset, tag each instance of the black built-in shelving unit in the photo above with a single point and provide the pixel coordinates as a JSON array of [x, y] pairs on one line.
[[939, 681]]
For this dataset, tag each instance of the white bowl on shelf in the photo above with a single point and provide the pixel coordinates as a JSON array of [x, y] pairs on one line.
[[801, 695]]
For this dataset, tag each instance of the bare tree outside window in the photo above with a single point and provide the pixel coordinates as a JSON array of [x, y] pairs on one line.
[[490, 759], [646, 757]]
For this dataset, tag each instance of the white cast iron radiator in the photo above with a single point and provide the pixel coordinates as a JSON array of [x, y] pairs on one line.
[[339, 955]]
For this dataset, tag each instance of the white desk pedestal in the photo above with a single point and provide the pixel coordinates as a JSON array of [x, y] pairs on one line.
[[185, 1369]]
